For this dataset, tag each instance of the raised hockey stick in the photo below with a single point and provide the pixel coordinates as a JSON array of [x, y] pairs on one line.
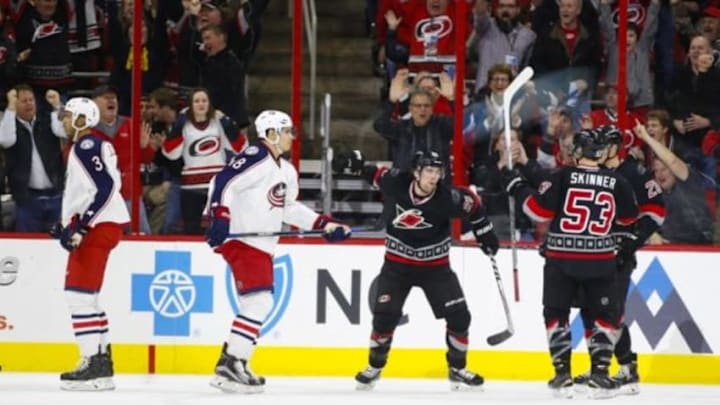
[[520, 80], [378, 226], [500, 337]]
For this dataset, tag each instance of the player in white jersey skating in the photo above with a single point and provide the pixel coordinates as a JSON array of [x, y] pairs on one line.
[[93, 217], [256, 192]]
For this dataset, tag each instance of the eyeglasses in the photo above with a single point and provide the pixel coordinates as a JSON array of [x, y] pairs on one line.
[[421, 105]]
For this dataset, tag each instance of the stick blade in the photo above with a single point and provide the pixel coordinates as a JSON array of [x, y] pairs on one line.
[[496, 339]]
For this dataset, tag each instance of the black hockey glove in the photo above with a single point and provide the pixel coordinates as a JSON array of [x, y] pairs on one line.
[[485, 236], [219, 228], [626, 250], [71, 236], [511, 180], [351, 162]]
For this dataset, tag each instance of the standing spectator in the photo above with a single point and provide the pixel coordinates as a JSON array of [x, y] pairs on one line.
[[35, 167], [84, 34], [422, 132], [639, 46], [43, 50], [688, 219], [501, 39], [93, 215], [659, 127], [8, 62], [203, 138], [222, 74]]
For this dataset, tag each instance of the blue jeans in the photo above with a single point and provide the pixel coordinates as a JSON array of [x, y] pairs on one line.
[[172, 210], [143, 223], [39, 214]]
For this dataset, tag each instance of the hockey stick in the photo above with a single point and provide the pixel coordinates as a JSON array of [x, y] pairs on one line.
[[378, 226], [500, 337], [520, 80]]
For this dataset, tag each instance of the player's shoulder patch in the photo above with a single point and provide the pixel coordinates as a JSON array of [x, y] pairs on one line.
[[252, 150], [544, 186], [87, 144]]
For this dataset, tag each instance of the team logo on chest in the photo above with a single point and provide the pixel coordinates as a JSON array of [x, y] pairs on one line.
[[276, 195], [204, 146], [409, 219]]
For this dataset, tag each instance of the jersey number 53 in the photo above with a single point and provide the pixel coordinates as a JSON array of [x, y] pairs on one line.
[[587, 211]]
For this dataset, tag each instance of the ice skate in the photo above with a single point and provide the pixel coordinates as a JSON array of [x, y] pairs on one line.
[[367, 378], [462, 379], [234, 375], [561, 385], [627, 379], [601, 386], [580, 382], [93, 373]]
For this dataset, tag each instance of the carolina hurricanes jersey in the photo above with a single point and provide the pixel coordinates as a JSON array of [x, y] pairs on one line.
[[651, 206], [260, 192], [418, 228], [582, 203], [204, 150], [92, 185]]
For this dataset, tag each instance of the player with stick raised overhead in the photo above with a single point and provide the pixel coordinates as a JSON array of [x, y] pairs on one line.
[[418, 208], [582, 204], [255, 192]]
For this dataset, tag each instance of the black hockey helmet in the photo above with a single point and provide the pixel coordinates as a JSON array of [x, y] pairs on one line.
[[612, 134], [428, 158], [589, 143]]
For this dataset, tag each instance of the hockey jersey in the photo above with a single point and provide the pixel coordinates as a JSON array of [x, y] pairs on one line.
[[204, 149], [92, 185], [261, 194], [582, 204], [651, 206], [418, 230]]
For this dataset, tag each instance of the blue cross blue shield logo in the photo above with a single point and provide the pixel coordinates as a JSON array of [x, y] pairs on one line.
[[172, 293]]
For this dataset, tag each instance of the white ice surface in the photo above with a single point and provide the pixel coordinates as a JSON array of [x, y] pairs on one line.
[[43, 389]]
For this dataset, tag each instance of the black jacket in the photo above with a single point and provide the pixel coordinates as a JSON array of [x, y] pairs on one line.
[[224, 77]]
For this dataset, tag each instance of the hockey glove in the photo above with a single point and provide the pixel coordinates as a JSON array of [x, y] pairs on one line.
[[485, 236], [512, 180], [626, 251], [335, 232], [219, 228], [72, 235]]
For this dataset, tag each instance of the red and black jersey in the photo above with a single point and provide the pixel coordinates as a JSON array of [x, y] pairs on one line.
[[418, 230], [582, 204], [651, 205]]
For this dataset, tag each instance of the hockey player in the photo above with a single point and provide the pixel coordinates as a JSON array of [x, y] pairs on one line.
[[582, 203], [93, 217], [630, 238], [418, 208], [256, 191]]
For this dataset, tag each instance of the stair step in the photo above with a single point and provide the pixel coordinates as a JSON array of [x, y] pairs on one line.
[[281, 26], [343, 106], [265, 84]]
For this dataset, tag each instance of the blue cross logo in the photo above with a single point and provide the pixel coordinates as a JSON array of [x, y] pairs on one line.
[[172, 293]]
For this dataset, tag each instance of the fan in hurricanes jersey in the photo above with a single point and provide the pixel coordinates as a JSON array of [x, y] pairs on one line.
[[418, 208], [256, 192], [582, 204], [630, 238], [93, 217]]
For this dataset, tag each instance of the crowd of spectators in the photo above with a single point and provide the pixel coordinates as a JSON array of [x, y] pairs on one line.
[[195, 55]]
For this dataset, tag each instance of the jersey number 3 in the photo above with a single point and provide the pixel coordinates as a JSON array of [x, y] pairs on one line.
[[588, 211]]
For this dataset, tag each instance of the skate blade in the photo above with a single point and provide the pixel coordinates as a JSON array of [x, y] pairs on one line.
[[601, 393], [98, 384], [580, 389], [629, 389], [365, 387], [563, 393], [456, 386], [234, 387]]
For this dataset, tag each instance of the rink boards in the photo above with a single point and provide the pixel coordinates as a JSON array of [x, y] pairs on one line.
[[170, 306]]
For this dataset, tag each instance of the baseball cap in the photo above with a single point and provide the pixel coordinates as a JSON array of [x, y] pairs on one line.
[[104, 89]]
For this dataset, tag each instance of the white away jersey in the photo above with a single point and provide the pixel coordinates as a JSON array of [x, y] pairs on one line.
[[260, 193], [92, 184]]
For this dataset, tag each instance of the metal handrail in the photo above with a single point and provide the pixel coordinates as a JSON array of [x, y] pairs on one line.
[[310, 17], [326, 183]]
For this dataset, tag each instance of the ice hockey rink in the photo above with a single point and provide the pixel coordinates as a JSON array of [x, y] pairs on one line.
[[35, 388]]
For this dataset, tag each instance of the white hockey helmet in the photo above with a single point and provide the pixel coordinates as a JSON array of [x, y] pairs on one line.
[[271, 119], [83, 106]]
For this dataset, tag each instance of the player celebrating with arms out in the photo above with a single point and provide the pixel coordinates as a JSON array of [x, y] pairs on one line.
[[581, 203], [93, 217], [256, 192], [418, 208]]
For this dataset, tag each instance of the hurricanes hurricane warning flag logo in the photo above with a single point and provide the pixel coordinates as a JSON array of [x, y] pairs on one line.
[[409, 219]]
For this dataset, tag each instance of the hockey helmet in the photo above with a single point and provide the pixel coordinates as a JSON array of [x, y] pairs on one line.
[[271, 119], [589, 143], [87, 108], [612, 134], [428, 158]]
